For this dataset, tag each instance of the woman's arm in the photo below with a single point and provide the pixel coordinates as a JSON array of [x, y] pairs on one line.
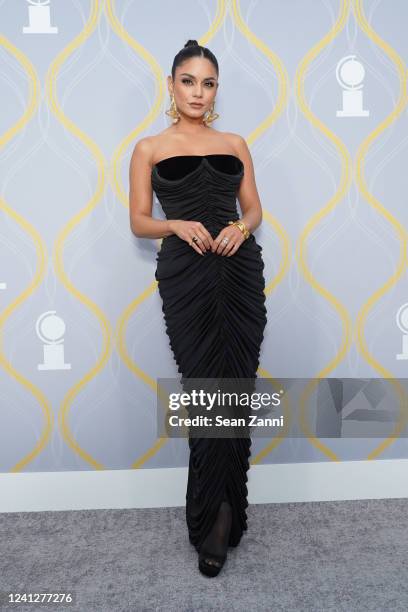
[[248, 194], [140, 205], [141, 194]]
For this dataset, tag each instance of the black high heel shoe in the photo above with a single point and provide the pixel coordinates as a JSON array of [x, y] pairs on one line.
[[213, 551]]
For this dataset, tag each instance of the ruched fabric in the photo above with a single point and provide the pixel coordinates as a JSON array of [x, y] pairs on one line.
[[215, 315]]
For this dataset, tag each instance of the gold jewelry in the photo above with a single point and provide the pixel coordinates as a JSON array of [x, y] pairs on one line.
[[241, 225], [172, 111], [210, 115], [195, 239]]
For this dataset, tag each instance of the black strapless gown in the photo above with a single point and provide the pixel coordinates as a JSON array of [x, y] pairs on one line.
[[215, 315]]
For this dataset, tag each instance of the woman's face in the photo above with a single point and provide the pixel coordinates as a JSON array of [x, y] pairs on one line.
[[195, 81]]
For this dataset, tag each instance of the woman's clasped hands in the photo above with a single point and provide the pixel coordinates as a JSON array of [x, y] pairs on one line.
[[199, 238]]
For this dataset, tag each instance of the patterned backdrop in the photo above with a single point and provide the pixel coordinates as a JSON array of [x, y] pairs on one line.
[[317, 88]]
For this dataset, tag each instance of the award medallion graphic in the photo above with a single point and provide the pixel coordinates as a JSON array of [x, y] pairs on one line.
[[51, 329], [350, 75], [39, 18]]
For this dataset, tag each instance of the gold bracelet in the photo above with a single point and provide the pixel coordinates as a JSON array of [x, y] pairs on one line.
[[241, 225]]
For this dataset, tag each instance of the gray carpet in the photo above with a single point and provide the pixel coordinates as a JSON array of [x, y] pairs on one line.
[[318, 556]]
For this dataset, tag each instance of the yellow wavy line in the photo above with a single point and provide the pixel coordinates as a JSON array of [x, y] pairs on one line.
[[120, 151], [115, 180], [399, 228], [41, 251], [281, 103], [282, 100], [117, 187], [51, 81], [314, 221]]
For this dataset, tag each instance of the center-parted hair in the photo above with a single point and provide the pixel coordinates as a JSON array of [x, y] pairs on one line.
[[193, 49]]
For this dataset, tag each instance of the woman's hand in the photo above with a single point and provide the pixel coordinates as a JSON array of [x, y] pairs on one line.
[[186, 230], [235, 238]]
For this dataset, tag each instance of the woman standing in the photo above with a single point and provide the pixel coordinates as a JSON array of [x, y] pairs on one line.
[[210, 278]]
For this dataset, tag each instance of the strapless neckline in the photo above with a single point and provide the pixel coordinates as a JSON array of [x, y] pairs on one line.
[[203, 160], [206, 155]]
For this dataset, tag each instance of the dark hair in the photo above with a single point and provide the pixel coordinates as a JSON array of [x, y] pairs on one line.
[[192, 49]]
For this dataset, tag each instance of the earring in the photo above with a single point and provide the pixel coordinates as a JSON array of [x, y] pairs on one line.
[[172, 111], [210, 115]]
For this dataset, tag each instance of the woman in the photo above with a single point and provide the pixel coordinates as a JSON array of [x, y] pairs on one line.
[[210, 279]]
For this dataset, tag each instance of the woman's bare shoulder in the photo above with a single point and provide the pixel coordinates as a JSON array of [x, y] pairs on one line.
[[148, 145], [234, 139], [235, 142], [143, 147]]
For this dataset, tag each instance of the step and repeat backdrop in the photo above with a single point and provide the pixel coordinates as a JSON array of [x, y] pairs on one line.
[[318, 88]]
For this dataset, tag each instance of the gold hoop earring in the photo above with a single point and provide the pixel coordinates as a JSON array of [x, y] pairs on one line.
[[210, 115], [172, 111]]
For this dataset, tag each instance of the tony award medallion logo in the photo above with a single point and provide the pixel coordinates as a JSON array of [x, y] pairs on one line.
[[350, 76], [402, 322], [39, 18], [51, 329]]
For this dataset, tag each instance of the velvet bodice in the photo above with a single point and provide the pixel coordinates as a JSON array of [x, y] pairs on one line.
[[178, 166]]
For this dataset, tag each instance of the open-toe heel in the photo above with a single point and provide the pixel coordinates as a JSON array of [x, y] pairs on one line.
[[210, 569], [213, 551]]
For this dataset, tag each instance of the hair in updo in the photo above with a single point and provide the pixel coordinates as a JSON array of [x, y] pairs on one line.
[[193, 49]]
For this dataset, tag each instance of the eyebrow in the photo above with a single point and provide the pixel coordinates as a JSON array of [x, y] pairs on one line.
[[193, 77]]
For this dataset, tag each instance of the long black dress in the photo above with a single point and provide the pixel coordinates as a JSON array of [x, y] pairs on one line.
[[215, 315]]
